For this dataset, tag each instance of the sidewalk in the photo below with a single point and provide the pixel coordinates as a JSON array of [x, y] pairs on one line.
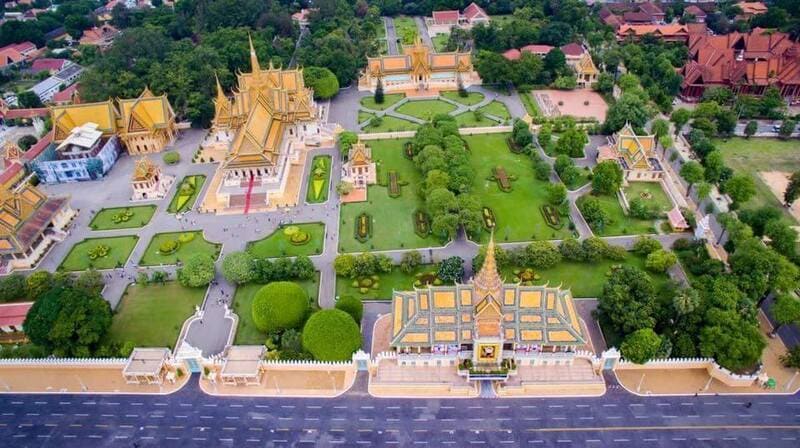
[[290, 381], [95, 379]]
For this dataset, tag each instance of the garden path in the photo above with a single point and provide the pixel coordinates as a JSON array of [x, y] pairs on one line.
[[391, 35]]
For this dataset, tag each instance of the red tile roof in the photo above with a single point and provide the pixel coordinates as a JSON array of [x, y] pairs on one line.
[[25, 113], [65, 95], [14, 313], [695, 11], [37, 148], [572, 49], [48, 64], [512, 54], [536, 49], [445, 16], [11, 170], [473, 10]]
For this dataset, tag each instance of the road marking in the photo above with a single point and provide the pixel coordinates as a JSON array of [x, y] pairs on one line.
[[711, 403], [81, 415], [530, 406], [32, 414], [108, 415], [257, 417], [114, 403], [55, 414], [635, 404], [717, 415], [160, 404], [140, 403], [663, 404], [501, 407], [622, 440], [613, 417], [64, 402], [558, 418], [181, 416], [586, 418], [765, 402], [209, 405], [44, 436], [287, 406], [559, 406], [592, 440], [313, 407], [261, 406], [788, 438], [236, 406], [664, 428], [609, 405]]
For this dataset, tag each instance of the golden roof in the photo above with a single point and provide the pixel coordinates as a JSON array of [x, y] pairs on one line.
[[635, 149], [586, 65], [359, 154], [419, 59], [146, 113], [68, 117], [144, 169], [488, 282]]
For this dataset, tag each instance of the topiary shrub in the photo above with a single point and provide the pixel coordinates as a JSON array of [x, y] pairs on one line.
[[331, 335], [99, 251], [171, 157], [279, 306], [168, 247], [352, 306], [186, 237]]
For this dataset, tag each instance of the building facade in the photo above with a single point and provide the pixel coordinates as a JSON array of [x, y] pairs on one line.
[[265, 128], [147, 181], [359, 169], [487, 323], [419, 68], [442, 22], [84, 155], [635, 154]]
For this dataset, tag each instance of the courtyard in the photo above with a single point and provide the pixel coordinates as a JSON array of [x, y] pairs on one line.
[[99, 253], [151, 315], [389, 100], [308, 240], [650, 193], [381, 286], [425, 109], [619, 223], [122, 217], [583, 104], [173, 247]]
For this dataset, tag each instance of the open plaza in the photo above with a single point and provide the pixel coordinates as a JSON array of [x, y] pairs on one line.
[[420, 233]]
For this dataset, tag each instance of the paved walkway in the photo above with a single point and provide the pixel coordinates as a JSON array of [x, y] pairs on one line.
[[422, 30], [391, 35]]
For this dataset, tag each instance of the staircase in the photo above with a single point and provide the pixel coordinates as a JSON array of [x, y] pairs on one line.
[[247, 195]]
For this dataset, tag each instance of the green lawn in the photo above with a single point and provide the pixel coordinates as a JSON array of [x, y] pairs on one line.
[[440, 42], [621, 224], [246, 331], [517, 212], [152, 315], [319, 180], [467, 120], [388, 100], [585, 279], [179, 203], [391, 124], [497, 109], [754, 155], [393, 281], [364, 116], [120, 248], [582, 180], [104, 219], [425, 109], [651, 192], [530, 104], [277, 243], [471, 99], [198, 244], [392, 218], [405, 29]]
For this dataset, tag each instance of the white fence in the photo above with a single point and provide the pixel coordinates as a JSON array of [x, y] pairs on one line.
[[63, 361]]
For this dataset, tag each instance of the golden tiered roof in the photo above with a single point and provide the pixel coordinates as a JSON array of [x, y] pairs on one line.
[[145, 113], [359, 154], [454, 315], [264, 102], [635, 149], [144, 170], [586, 65], [419, 59], [25, 212]]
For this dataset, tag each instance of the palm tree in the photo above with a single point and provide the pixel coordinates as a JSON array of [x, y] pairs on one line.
[[685, 301]]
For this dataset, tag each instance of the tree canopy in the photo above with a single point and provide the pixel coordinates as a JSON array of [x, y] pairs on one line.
[[331, 335]]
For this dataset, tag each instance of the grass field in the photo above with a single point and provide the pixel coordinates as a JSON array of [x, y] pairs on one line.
[[104, 219], [198, 244], [364, 116], [199, 180], [393, 281], [621, 224], [391, 124], [467, 120], [425, 109], [582, 180], [472, 98], [406, 29], [651, 192], [497, 109], [517, 212], [530, 104], [152, 315], [388, 100], [392, 218], [277, 244], [120, 248], [317, 190], [585, 279], [246, 331], [750, 156], [440, 42]]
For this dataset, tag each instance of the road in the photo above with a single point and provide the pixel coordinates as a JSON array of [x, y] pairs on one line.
[[766, 128], [191, 418], [391, 35]]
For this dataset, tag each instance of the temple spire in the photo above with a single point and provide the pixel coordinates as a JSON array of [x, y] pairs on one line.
[[488, 282], [220, 92], [256, 68]]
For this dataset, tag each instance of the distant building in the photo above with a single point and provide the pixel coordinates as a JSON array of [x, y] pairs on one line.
[[102, 36], [66, 96], [577, 57], [419, 68], [50, 65], [46, 89], [751, 9], [14, 54], [646, 13], [745, 63], [673, 32], [442, 22], [148, 182], [695, 11], [359, 169], [635, 154], [84, 155], [12, 316], [301, 17]]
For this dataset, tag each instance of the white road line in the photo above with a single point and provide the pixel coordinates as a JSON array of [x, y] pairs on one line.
[[261, 406], [609, 405], [622, 440], [139, 404], [586, 418], [663, 404], [555, 406]]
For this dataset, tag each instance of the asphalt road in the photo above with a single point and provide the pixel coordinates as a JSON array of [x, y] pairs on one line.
[[191, 418]]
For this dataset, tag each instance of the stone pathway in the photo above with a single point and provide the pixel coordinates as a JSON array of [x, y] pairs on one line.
[[391, 35], [422, 30]]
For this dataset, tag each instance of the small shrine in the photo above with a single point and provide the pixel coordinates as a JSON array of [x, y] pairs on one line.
[[148, 182]]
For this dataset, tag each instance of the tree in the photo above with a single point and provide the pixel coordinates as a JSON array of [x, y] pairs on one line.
[[344, 264], [352, 306], [331, 335], [197, 271], [26, 141], [641, 346], [571, 249], [346, 141], [279, 306], [68, 321], [343, 188], [630, 108], [646, 245], [659, 127], [379, 98], [556, 193], [238, 267], [572, 142], [679, 118], [628, 300], [410, 261], [12, 288], [594, 248], [607, 177], [28, 100], [740, 188], [685, 301], [593, 212], [451, 269], [734, 343], [783, 237], [36, 284], [660, 260], [787, 129], [785, 310], [542, 254], [791, 359], [692, 172], [90, 281], [792, 190], [751, 128], [323, 81], [604, 84], [565, 167]]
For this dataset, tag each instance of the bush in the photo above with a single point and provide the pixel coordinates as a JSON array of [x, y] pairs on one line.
[[168, 247], [171, 157], [641, 346], [660, 260], [238, 267], [279, 306], [331, 335], [352, 306], [644, 245], [197, 271], [186, 237]]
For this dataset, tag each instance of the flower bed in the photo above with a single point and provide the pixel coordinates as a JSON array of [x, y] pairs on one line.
[[99, 251], [363, 230], [121, 217], [296, 236], [488, 218], [364, 284], [408, 150], [185, 192], [186, 237], [168, 247], [551, 216], [427, 278], [526, 276], [422, 224], [394, 184], [502, 178]]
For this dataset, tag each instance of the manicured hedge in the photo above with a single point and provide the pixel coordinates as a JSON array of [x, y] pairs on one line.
[[352, 306], [331, 335], [279, 306]]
